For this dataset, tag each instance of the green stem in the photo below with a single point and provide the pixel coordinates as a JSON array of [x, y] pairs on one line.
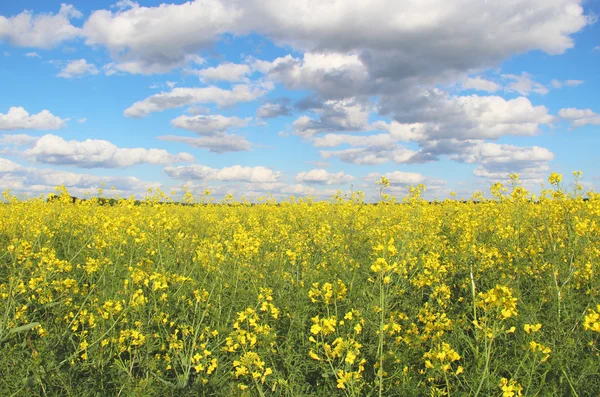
[[381, 324], [488, 349]]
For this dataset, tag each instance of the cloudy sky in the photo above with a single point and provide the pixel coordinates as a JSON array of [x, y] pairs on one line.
[[297, 97]]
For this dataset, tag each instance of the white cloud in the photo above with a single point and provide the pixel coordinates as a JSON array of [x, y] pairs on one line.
[[403, 131], [395, 41], [487, 153], [210, 124], [400, 181], [78, 68], [231, 72], [332, 75], [81, 120], [272, 110], [18, 118], [524, 85], [573, 83], [41, 30], [332, 140], [17, 139], [148, 67], [418, 42], [498, 161], [372, 155], [480, 84], [218, 143], [38, 181], [198, 110], [334, 116], [213, 129], [157, 39], [299, 189], [464, 117], [567, 83], [424, 116], [580, 117], [96, 153], [319, 164], [400, 177], [253, 190], [32, 55], [401, 41], [179, 97], [323, 177], [235, 173]]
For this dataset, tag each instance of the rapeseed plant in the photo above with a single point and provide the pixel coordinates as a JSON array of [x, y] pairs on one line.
[[188, 296]]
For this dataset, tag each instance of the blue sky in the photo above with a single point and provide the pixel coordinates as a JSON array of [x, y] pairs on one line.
[[297, 97]]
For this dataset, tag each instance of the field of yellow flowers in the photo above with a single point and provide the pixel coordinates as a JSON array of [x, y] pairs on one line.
[[493, 297]]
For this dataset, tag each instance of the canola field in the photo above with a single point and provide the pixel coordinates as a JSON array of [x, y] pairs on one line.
[[498, 297]]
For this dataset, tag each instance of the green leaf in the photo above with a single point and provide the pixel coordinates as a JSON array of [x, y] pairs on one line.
[[16, 330], [23, 328]]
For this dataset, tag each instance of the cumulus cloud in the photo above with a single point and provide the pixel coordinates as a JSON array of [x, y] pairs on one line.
[[497, 161], [234, 173], [480, 84], [567, 83], [253, 190], [488, 153], [32, 55], [353, 67], [271, 110], [148, 67], [524, 85], [213, 130], [400, 177], [402, 131], [179, 97], [18, 118], [96, 153], [323, 177], [150, 40], [580, 117], [465, 33], [331, 75], [408, 42], [39, 181], [198, 110], [17, 139], [231, 72], [218, 143], [334, 116], [333, 140], [40, 30], [372, 155], [210, 124], [400, 45], [78, 68], [424, 117], [466, 117], [401, 180]]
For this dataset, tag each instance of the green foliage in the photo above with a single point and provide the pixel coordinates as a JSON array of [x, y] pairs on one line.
[[494, 297]]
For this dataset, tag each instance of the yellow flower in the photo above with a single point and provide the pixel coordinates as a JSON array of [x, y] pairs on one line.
[[510, 388], [532, 328]]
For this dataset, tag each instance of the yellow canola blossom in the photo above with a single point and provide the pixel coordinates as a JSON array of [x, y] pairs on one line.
[[492, 294]]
